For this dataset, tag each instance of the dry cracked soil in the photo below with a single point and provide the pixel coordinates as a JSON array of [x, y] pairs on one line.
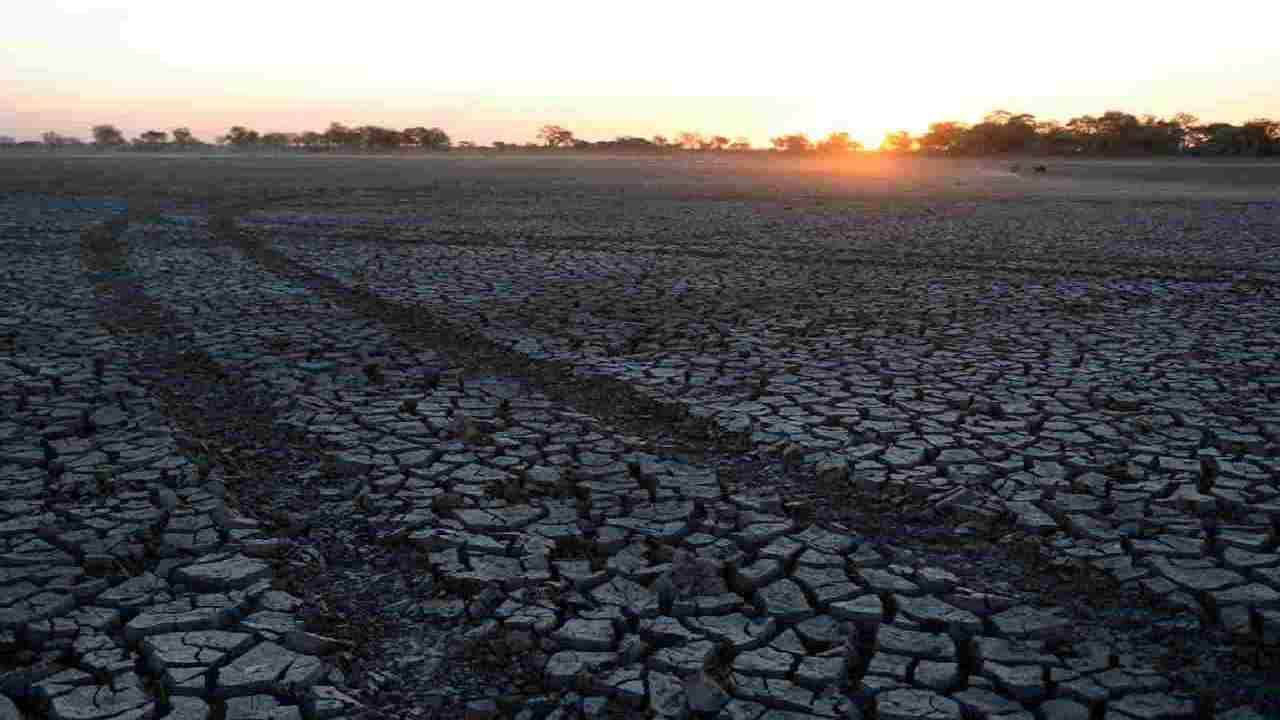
[[569, 437]]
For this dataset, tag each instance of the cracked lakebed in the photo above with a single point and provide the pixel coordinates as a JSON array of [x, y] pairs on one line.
[[255, 467]]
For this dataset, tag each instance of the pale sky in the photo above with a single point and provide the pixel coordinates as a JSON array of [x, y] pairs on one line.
[[486, 70]]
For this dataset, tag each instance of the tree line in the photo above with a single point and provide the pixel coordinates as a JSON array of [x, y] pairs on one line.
[[337, 137], [1114, 133]]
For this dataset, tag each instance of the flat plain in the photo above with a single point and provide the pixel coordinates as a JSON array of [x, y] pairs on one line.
[[558, 436]]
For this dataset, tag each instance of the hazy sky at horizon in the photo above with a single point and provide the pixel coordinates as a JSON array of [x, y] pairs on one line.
[[489, 70]]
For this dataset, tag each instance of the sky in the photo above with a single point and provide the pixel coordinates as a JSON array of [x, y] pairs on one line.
[[490, 70]]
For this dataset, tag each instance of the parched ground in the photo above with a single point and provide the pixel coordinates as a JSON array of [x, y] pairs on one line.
[[572, 437]]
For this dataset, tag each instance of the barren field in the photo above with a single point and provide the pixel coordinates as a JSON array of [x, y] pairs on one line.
[[577, 437]]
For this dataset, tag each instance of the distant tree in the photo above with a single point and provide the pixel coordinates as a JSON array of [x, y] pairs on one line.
[[436, 139], [429, 138], [555, 136], [466, 145], [52, 139], [740, 143], [340, 135], [1194, 138], [690, 140], [660, 140], [794, 143], [625, 143], [1001, 132], [183, 137], [276, 140], [153, 138], [1115, 133], [1056, 139], [501, 145], [838, 143], [1261, 136], [6, 140], [1188, 127], [107, 136], [581, 144], [897, 142], [1219, 139], [312, 140], [240, 136], [374, 137], [947, 136]]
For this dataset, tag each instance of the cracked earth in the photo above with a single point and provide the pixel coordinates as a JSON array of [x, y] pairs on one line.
[[521, 451]]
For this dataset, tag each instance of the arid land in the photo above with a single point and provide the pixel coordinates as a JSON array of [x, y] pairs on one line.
[[697, 437]]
